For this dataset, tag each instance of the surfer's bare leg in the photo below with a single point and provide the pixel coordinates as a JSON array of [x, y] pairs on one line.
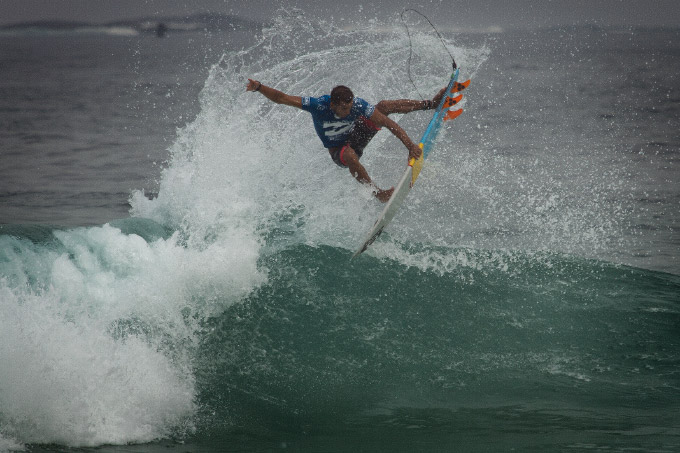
[[388, 107], [357, 170]]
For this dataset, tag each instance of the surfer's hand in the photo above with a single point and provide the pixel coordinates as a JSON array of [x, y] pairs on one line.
[[253, 85], [383, 195], [414, 151], [438, 97]]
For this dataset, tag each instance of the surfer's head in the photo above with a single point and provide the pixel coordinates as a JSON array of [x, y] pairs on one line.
[[341, 100]]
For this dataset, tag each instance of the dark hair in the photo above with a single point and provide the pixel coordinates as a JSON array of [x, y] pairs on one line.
[[341, 94]]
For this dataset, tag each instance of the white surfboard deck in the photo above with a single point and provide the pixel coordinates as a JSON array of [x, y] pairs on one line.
[[393, 204]]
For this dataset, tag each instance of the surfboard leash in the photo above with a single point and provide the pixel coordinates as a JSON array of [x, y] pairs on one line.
[[410, 44]]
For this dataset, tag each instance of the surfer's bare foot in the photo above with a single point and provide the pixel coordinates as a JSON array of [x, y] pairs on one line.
[[384, 195]]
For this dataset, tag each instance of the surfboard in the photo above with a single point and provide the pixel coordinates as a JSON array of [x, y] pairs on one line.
[[442, 113]]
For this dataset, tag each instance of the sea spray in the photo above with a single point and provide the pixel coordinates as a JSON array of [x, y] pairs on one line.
[[249, 162]]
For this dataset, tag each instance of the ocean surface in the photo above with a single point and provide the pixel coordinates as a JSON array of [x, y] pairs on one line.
[[175, 268]]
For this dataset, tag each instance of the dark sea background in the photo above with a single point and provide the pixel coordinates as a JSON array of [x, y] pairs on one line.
[[175, 268]]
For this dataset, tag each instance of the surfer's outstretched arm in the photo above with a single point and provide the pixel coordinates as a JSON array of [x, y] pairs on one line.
[[274, 95]]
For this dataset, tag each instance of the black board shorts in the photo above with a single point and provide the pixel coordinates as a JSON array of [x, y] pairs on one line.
[[363, 131]]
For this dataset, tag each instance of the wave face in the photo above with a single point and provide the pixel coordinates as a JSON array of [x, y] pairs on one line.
[[478, 342], [227, 314]]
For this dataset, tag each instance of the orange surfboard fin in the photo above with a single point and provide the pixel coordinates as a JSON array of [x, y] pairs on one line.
[[460, 86], [450, 102], [450, 115]]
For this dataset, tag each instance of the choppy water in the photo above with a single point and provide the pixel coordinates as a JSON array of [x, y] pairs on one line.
[[526, 297]]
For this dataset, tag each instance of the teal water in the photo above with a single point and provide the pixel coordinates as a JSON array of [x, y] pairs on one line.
[[534, 352], [526, 298]]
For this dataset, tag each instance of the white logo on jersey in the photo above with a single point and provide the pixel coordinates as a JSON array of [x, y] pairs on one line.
[[335, 128]]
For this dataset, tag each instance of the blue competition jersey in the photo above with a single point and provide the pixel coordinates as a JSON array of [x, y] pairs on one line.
[[334, 131]]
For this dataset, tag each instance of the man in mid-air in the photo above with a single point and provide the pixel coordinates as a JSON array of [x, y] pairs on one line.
[[345, 124]]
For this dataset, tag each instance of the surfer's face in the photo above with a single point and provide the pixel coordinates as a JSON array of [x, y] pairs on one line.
[[341, 109]]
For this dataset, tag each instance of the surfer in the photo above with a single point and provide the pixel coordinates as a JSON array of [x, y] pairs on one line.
[[345, 124]]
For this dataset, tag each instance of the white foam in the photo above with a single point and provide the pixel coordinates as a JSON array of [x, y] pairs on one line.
[[72, 383], [98, 349]]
